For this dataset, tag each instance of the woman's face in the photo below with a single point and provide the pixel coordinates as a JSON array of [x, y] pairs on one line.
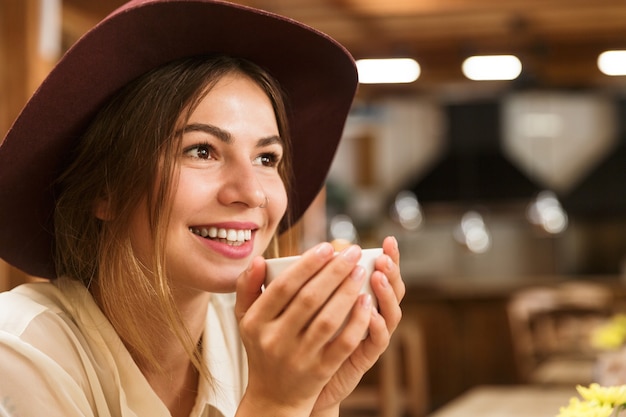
[[228, 199]]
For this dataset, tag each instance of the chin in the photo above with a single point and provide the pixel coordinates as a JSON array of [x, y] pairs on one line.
[[222, 281]]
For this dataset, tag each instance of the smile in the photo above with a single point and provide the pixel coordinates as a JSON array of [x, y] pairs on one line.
[[233, 237]]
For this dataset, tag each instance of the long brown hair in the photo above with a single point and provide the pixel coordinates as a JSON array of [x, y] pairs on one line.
[[127, 158]]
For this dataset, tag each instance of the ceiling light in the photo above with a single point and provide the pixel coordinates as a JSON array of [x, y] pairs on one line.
[[492, 67], [612, 62], [387, 71]]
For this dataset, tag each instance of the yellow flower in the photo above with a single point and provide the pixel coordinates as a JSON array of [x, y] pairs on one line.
[[577, 408], [612, 396], [610, 335]]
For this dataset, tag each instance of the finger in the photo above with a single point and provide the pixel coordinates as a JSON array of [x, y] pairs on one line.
[[388, 303], [284, 288], [370, 349], [249, 286], [351, 335], [390, 247], [379, 335], [335, 314], [388, 264], [308, 302]]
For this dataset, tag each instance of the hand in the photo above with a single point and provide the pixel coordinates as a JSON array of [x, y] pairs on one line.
[[289, 329], [389, 289]]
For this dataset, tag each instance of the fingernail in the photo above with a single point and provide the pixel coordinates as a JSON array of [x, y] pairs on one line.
[[358, 273], [352, 253], [389, 263], [366, 301], [384, 281], [324, 250]]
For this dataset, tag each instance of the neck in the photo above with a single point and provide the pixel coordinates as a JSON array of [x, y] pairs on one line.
[[177, 387]]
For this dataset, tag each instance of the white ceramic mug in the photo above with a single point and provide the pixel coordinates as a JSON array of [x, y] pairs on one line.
[[274, 267]]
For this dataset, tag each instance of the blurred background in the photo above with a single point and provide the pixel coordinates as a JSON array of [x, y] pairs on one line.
[[492, 183]]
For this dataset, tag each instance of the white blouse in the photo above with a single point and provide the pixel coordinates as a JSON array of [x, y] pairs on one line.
[[60, 356]]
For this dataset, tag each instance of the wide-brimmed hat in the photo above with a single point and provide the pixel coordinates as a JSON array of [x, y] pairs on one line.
[[317, 74]]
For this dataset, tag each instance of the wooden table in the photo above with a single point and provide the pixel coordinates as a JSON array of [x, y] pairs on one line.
[[508, 401]]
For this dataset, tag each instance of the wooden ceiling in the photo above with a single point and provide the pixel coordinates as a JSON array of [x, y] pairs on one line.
[[558, 41]]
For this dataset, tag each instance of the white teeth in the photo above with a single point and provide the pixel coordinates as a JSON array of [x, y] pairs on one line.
[[230, 235]]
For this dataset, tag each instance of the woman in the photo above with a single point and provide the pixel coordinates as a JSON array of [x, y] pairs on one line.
[[147, 189]]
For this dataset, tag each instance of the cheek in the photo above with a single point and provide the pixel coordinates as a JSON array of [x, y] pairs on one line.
[[278, 194], [189, 190]]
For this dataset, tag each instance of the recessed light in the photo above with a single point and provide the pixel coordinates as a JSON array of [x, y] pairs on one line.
[[388, 71], [612, 62], [492, 67]]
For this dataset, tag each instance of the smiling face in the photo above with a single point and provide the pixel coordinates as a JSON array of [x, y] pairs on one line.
[[191, 148], [226, 167]]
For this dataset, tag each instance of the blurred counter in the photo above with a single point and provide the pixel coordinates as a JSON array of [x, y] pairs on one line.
[[514, 401]]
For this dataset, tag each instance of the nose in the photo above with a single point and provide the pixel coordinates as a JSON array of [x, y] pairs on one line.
[[242, 186]]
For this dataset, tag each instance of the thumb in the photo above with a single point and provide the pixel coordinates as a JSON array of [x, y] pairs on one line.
[[249, 286]]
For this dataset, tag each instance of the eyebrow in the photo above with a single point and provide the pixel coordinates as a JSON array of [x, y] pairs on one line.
[[221, 134], [225, 136]]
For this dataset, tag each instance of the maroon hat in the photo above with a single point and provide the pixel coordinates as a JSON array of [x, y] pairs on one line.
[[317, 74]]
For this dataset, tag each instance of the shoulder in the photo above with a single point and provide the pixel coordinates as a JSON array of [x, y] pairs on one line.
[[38, 344], [27, 303], [46, 325], [57, 342]]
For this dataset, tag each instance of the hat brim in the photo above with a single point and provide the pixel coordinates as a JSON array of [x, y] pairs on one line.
[[317, 74]]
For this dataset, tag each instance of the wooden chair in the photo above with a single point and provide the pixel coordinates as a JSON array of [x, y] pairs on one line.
[[551, 330], [401, 386]]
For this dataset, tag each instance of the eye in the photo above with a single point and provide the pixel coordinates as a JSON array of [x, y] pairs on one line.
[[200, 151], [269, 159]]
